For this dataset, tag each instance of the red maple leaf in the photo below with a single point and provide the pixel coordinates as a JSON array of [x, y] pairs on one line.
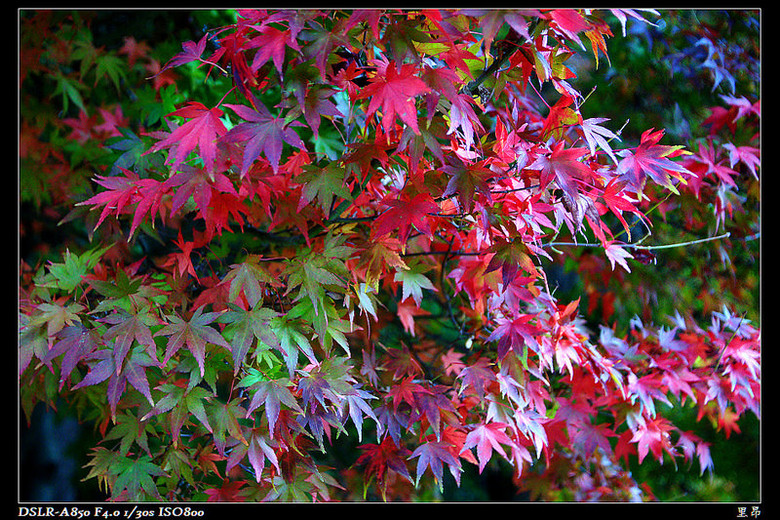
[[271, 43], [654, 437], [126, 191], [380, 458], [202, 130], [563, 166], [394, 90], [405, 212], [650, 159], [230, 491]]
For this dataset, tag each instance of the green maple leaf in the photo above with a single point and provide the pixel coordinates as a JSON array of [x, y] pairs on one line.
[[195, 334], [311, 273], [248, 278], [129, 428], [413, 282], [68, 275], [135, 476], [112, 67], [181, 403], [244, 327], [324, 184], [327, 321], [291, 339], [224, 420]]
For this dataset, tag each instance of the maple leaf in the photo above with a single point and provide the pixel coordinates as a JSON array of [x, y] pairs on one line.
[[618, 202], [616, 253], [103, 367], [317, 105], [650, 159], [562, 166], [324, 184], [229, 491], [653, 436], [405, 212], [191, 51], [513, 334], [243, 327], [427, 138], [202, 131], [569, 22], [125, 191], [433, 454], [248, 279], [223, 418], [380, 254], [381, 458], [195, 183], [76, 343], [486, 438], [129, 428], [436, 406], [595, 135], [271, 43], [452, 362], [747, 155], [271, 394], [465, 180], [413, 281], [405, 391], [406, 310], [510, 257], [134, 476], [357, 406], [182, 403], [478, 376], [462, 116], [394, 90], [256, 449], [262, 132], [291, 340], [127, 328], [194, 333]]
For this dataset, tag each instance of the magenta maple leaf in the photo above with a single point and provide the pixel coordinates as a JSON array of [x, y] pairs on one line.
[[649, 159], [271, 44], [191, 51], [487, 438], [262, 132], [433, 455], [202, 131]]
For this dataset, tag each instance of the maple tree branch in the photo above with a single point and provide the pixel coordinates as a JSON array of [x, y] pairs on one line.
[[637, 246], [497, 64]]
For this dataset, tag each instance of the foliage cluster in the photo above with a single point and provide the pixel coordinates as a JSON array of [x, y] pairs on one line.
[[310, 229]]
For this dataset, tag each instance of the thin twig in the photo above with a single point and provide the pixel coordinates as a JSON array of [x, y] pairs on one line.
[[637, 246]]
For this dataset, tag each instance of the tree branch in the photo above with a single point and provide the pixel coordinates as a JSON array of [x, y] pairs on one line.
[[637, 246]]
